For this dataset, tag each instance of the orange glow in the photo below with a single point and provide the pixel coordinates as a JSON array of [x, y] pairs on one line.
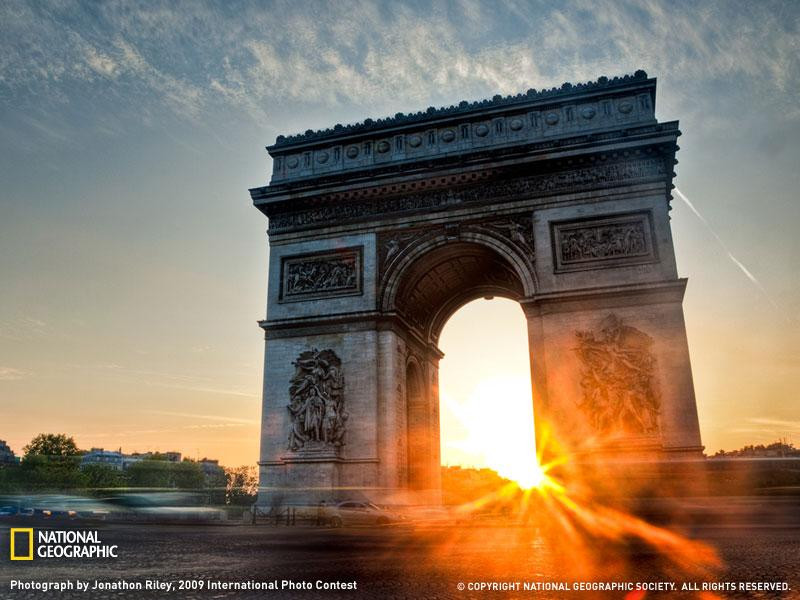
[[501, 438], [594, 538]]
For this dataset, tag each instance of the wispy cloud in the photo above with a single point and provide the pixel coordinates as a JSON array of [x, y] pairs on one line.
[[190, 383], [219, 418], [22, 328], [392, 55], [124, 433], [12, 374], [777, 424]]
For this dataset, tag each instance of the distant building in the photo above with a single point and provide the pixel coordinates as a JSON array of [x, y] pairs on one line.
[[778, 449], [211, 468], [119, 461], [7, 456], [108, 458], [167, 456]]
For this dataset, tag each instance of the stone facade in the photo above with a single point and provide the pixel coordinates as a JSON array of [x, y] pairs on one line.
[[7, 456], [380, 231]]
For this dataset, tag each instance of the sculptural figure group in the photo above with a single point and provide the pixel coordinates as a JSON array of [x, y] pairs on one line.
[[316, 401], [603, 242], [319, 275], [619, 391]]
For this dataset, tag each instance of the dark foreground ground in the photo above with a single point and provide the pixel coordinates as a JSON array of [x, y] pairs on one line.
[[758, 544]]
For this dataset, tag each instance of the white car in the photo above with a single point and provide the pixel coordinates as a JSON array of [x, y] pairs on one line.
[[360, 513]]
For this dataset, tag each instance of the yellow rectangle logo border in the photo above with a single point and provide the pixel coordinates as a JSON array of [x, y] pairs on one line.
[[12, 532]]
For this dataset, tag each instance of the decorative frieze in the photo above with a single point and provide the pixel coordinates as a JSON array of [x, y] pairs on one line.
[[606, 241], [316, 404], [463, 129], [618, 379], [321, 275], [465, 107], [589, 177]]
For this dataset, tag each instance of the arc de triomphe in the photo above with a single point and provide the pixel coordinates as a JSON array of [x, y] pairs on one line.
[[379, 231]]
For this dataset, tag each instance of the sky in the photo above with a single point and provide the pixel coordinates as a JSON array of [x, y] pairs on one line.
[[133, 265]]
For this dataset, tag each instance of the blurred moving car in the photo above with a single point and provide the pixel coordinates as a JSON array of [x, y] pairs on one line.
[[162, 506], [145, 506], [352, 513], [48, 506]]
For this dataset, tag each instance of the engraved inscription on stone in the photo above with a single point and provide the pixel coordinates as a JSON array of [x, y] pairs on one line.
[[616, 240], [316, 403], [620, 394], [321, 275]]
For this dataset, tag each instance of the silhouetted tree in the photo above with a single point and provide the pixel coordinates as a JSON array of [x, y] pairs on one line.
[[42, 473], [187, 475], [242, 485], [149, 474], [100, 477], [51, 445]]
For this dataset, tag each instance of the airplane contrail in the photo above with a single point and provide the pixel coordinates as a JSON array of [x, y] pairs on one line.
[[735, 260]]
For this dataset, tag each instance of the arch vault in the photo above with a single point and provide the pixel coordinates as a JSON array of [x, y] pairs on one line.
[[380, 231]]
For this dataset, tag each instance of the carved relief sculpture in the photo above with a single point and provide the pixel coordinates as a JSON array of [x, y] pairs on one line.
[[616, 240], [322, 275], [517, 229], [620, 394], [316, 403], [590, 177], [393, 244]]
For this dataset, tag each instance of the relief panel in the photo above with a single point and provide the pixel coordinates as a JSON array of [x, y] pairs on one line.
[[322, 275], [316, 404], [620, 395], [609, 241]]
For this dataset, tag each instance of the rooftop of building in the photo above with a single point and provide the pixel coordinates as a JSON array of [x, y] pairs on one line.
[[462, 108]]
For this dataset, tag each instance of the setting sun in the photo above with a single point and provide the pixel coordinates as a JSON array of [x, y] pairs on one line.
[[487, 407], [494, 428]]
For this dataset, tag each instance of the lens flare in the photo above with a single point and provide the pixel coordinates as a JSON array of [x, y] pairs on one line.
[[596, 534]]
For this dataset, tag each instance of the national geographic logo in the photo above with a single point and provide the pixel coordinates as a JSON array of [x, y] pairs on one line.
[[25, 544], [19, 532]]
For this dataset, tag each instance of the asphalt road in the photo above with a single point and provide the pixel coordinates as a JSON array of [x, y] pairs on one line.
[[429, 561]]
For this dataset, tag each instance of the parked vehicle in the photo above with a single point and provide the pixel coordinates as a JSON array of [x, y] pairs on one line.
[[352, 513]]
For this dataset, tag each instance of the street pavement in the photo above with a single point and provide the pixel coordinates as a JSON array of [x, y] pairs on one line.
[[418, 560]]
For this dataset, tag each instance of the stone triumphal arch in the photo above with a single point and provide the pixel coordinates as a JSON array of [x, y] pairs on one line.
[[558, 199]]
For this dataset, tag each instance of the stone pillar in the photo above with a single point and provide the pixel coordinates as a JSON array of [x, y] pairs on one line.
[[611, 373], [392, 438], [435, 478], [300, 371]]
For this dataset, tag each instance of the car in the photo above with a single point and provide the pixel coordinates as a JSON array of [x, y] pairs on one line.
[[351, 512], [154, 506]]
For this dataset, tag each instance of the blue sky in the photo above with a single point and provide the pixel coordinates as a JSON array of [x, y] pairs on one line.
[[134, 266]]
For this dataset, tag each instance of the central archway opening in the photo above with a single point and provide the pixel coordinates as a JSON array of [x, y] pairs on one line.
[[485, 398], [467, 398]]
